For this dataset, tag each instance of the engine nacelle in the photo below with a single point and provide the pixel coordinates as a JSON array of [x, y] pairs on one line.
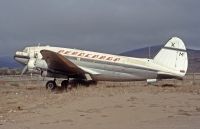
[[31, 64], [46, 74], [41, 64]]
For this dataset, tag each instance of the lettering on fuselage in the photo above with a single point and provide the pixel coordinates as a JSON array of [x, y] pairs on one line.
[[90, 55]]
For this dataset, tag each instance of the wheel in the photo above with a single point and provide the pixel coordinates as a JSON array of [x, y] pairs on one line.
[[51, 85], [64, 84]]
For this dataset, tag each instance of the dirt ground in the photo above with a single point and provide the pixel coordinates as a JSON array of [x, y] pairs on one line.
[[28, 105]]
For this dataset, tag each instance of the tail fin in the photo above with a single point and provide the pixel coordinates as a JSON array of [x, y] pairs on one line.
[[173, 56]]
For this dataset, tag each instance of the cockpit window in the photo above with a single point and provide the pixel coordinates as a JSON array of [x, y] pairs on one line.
[[25, 50]]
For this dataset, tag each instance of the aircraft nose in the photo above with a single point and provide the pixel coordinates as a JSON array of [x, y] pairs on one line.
[[20, 54], [21, 57]]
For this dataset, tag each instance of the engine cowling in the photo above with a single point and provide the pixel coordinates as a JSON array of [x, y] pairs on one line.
[[31, 64], [36, 64], [41, 64]]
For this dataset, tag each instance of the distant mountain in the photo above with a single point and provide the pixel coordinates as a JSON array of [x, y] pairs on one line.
[[8, 62], [143, 52], [193, 56]]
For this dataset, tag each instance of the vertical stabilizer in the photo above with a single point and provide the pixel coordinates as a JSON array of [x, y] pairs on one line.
[[173, 56]]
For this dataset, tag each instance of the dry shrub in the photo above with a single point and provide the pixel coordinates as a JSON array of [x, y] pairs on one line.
[[14, 84]]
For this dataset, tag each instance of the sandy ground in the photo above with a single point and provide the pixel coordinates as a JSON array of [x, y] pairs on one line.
[[27, 105]]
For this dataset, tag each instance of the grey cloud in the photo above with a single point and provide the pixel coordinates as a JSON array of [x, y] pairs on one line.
[[109, 26]]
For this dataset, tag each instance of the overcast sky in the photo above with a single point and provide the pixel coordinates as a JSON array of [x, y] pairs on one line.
[[111, 26]]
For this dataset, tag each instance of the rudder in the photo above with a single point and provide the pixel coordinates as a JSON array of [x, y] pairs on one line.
[[173, 56]]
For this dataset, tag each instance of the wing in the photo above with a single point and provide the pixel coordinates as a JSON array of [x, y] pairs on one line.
[[57, 62]]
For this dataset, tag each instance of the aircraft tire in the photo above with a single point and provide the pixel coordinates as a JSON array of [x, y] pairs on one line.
[[64, 83], [51, 85]]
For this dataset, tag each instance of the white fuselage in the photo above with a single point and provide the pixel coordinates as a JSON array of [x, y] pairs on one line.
[[102, 66]]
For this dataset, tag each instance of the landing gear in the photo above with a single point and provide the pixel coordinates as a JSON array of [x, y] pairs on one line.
[[51, 85], [68, 84], [78, 82], [64, 84]]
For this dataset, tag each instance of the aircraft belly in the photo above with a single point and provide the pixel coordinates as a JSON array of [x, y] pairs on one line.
[[116, 72], [122, 76]]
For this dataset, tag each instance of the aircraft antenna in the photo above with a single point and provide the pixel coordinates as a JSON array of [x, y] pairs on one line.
[[149, 52]]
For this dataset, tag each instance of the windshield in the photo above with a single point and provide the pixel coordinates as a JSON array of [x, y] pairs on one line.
[[25, 50]]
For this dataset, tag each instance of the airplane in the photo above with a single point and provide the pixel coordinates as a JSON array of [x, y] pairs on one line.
[[57, 62]]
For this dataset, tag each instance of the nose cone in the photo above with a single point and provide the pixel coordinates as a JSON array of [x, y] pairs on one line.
[[21, 57]]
